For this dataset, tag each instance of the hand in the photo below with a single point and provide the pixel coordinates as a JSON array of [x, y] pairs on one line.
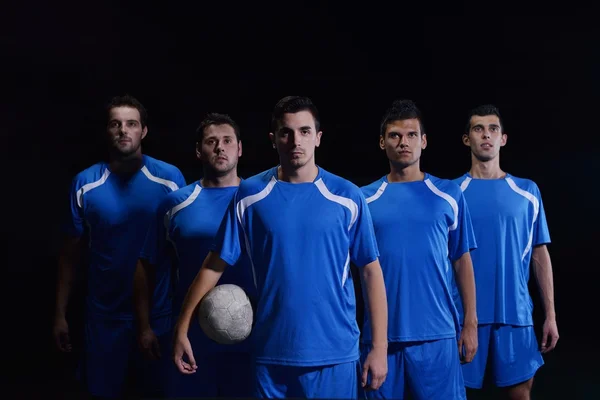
[[61, 335], [181, 347], [468, 343], [549, 335], [376, 364], [148, 344]]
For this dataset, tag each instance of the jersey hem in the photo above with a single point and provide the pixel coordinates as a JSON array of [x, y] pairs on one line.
[[309, 363], [402, 339]]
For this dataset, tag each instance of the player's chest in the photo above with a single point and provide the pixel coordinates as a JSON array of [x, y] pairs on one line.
[[411, 210], [305, 216], [496, 202], [118, 204], [196, 224]]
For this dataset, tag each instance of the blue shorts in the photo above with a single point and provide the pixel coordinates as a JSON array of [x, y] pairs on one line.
[[111, 356], [513, 353], [428, 370], [339, 381], [218, 375]]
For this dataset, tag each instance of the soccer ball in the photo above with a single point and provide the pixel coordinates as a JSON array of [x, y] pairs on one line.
[[225, 314]]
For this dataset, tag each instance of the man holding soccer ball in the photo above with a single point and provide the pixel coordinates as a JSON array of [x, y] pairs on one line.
[[301, 227], [186, 223]]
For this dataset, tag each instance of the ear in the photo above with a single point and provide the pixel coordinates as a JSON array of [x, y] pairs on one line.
[[381, 142], [503, 140], [423, 141], [144, 131], [465, 139], [239, 148], [198, 152], [272, 137], [318, 138]]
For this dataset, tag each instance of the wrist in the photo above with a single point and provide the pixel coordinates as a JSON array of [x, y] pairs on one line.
[[470, 320], [550, 316]]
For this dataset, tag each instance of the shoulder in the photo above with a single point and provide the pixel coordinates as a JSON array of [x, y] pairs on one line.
[[257, 183], [338, 186], [461, 179], [522, 183], [371, 189], [445, 186], [95, 174], [161, 172], [187, 193]]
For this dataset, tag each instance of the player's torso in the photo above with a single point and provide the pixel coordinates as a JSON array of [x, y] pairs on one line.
[[192, 231], [502, 214], [297, 235], [411, 222]]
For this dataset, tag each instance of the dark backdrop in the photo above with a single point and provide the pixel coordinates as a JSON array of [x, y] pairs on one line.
[[64, 62]]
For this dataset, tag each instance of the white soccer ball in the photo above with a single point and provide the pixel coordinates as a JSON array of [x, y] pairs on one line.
[[225, 314]]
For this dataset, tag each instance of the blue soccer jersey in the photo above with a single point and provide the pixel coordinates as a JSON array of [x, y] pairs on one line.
[[509, 220], [301, 238], [115, 212], [421, 228], [186, 223]]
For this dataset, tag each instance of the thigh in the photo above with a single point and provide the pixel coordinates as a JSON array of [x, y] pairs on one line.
[[273, 381], [433, 370], [394, 385], [106, 357], [201, 384], [339, 381], [235, 375], [516, 355], [474, 372], [153, 376]]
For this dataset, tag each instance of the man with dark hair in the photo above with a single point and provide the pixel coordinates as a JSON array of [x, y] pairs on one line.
[[301, 227], [422, 225], [112, 204], [186, 223], [511, 231]]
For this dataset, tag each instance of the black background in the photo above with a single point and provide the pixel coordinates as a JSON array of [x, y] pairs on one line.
[[63, 61]]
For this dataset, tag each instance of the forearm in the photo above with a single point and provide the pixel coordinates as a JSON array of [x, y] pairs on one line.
[[465, 279], [377, 303], [66, 273], [542, 269], [143, 288], [205, 280]]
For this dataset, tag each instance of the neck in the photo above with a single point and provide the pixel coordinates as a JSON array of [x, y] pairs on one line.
[[304, 174], [486, 169], [410, 173], [120, 164], [210, 180]]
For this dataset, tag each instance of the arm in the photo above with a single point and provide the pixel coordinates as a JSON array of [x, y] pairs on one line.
[[377, 303], [206, 279], [69, 257], [542, 269], [376, 361], [465, 280], [143, 287]]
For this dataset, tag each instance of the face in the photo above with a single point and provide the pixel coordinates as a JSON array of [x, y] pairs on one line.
[[296, 139], [219, 149], [125, 131], [403, 142], [485, 137]]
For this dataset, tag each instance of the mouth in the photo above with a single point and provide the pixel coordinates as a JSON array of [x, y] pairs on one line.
[[296, 153], [486, 146], [220, 158], [121, 141]]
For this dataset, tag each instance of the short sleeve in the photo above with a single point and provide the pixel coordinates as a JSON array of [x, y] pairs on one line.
[[228, 241], [363, 244], [462, 238], [155, 242], [541, 233], [74, 220]]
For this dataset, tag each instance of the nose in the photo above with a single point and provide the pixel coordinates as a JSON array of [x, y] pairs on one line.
[[296, 137], [486, 134], [219, 147], [403, 141]]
